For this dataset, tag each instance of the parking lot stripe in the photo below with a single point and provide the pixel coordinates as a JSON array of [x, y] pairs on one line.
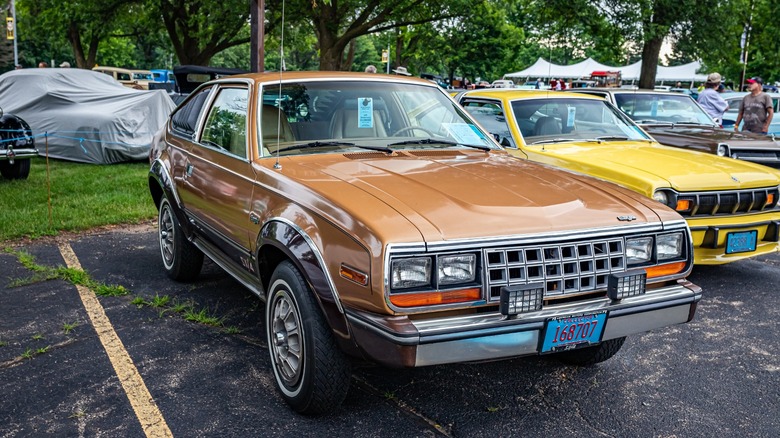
[[145, 408]]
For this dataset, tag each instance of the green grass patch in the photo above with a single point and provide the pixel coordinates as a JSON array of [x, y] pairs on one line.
[[69, 327], [83, 196], [203, 317]]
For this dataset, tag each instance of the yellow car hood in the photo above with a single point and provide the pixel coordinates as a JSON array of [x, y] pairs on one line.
[[650, 165]]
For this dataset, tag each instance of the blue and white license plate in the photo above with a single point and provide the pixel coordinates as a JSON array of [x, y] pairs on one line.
[[742, 241], [569, 332]]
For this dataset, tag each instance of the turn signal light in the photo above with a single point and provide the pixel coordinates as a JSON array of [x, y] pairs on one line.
[[433, 298], [683, 205], [770, 198], [667, 269]]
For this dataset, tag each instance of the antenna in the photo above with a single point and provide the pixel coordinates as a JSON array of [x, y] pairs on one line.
[[277, 165]]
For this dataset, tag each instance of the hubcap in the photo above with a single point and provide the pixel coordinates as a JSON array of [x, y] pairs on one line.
[[166, 231], [287, 339]]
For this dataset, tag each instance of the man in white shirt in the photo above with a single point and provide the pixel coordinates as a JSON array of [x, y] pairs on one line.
[[710, 99]]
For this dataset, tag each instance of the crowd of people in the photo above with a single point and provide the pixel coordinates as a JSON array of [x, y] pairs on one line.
[[755, 110]]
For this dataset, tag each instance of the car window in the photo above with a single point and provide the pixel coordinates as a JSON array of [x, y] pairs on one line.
[[355, 115], [185, 119], [734, 104], [225, 126], [671, 108], [491, 116], [573, 119]]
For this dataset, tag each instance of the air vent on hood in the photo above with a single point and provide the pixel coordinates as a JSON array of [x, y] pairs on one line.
[[371, 155]]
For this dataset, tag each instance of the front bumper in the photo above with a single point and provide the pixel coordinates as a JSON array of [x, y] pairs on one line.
[[12, 154], [403, 342], [709, 237]]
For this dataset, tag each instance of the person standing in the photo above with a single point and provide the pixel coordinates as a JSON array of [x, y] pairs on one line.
[[710, 99], [755, 109]]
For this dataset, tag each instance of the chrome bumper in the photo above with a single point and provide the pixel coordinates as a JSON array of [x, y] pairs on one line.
[[398, 341], [11, 154]]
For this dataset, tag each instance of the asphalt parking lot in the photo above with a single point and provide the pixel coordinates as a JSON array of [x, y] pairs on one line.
[[717, 376]]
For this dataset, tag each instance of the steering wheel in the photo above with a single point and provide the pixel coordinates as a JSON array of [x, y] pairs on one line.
[[412, 128]]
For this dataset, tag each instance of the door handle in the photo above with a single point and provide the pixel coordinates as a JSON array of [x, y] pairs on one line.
[[188, 170]]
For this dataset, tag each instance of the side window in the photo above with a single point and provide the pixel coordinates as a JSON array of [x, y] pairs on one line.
[[185, 119], [225, 126], [491, 116], [734, 104]]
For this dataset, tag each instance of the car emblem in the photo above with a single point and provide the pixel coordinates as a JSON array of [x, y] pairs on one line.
[[626, 218], [734, 178]]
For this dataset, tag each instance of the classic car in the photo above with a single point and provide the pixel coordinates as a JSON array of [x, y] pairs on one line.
[[17, 146], [136, 79], [379, 223], [735, 98], [730, 205], [86, 116], [675, 119]]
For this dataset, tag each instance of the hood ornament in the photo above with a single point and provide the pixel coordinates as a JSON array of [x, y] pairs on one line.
[[626, 218]]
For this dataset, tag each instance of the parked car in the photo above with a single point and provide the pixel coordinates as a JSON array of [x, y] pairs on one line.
[[502, 83], [730, 116], [677, 120], [17, 146], [137, 79], [86, 116], [694, 93], [162, 75], [379, 222], [482, 84], [730, 205]]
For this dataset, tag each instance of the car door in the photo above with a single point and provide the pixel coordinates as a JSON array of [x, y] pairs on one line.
[[218, 176]]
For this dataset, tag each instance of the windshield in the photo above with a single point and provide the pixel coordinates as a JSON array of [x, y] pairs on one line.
[[326, 116], [572, 119], [662, 108]]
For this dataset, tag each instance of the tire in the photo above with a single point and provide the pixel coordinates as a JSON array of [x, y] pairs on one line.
[[592, 355], [182, 260], [19, 170], [311, 373]]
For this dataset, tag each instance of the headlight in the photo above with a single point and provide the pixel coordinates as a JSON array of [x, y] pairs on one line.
[[639, 250], [456, 268], [661, 197], [670, 246], [723, 150], [406, 273]]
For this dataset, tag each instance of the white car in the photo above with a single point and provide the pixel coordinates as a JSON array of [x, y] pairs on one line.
[[502, 83]]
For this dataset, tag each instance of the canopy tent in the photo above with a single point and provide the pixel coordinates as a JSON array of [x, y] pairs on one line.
[[546, 70]]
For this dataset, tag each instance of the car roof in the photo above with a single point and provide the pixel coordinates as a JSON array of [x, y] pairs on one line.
[[515, 93]]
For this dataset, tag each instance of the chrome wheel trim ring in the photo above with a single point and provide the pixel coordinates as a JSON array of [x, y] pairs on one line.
[[286, 339], [166, 234]]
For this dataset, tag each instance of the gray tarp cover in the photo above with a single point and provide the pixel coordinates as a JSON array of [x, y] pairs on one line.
[[84, 115]]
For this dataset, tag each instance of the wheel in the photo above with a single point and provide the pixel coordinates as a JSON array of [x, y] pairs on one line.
[[592, 355], [19, 170], [311, 373], [413, 128], [182, 259]]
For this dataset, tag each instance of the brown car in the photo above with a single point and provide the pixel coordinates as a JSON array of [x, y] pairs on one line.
[[380, 223], [675, 119]]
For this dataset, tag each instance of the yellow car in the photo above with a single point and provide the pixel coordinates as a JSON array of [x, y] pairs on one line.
[[730, 205]]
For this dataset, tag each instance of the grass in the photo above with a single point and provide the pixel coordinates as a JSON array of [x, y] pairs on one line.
[[83, 196]]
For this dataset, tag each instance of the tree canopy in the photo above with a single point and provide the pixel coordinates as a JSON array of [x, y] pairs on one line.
[[470, 38]]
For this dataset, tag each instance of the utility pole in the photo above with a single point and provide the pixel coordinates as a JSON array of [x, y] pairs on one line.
[[257, 42], [745, 43], [12, 29]]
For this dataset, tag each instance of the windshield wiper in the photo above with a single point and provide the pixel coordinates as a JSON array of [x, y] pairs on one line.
[[652, 122], [554, 140], [434, 141], [611, 138], [317, 144]]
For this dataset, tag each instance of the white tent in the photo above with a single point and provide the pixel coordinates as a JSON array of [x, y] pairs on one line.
[[546, 70]]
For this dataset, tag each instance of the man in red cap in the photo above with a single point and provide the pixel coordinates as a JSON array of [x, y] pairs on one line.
[[756, 108]]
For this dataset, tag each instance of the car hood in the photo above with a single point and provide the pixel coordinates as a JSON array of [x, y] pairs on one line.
[[646, 166], [462, 195], [683, 136]]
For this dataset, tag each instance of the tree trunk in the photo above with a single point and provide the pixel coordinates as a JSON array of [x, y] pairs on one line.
[[650, 51]]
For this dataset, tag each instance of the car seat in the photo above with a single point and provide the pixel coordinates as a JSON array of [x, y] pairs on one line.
[[273, 125], [546, 126], [344, 123]]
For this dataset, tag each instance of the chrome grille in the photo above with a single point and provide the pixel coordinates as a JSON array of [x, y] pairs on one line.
[[728, 202], [565, 269]]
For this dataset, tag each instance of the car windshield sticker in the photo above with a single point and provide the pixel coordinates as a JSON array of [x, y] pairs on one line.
[[570, 120], [464, 133], [365, 112], [654, 109]]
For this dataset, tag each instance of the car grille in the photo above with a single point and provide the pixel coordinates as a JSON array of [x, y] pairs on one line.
[[564, 269], [728, 203]]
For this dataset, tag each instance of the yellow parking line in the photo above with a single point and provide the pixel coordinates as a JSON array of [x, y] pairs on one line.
[[145, 408]]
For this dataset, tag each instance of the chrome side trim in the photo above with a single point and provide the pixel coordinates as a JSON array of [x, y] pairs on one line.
[[317, 254]]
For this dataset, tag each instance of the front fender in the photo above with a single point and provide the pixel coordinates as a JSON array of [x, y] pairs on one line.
[[297, 246]]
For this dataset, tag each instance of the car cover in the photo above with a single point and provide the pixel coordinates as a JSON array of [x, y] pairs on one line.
[[85, 116]]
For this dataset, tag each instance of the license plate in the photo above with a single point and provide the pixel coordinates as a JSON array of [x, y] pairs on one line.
[[569, 332], [743, 241]]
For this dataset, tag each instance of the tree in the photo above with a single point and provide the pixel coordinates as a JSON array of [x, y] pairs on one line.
[[337, 23]]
